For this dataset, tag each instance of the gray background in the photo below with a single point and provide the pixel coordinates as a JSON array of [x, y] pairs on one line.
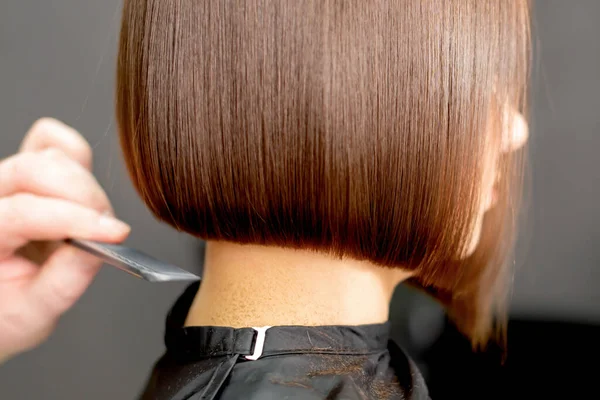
[[57, 59]]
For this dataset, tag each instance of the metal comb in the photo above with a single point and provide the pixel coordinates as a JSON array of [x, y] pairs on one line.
[[134, 262]]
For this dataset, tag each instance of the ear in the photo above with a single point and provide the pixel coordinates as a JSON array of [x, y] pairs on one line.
[[516, 131]]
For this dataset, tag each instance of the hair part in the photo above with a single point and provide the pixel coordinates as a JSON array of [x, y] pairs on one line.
[[354, 128]]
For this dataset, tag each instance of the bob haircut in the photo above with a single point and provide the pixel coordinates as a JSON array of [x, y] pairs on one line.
[[350, 127]]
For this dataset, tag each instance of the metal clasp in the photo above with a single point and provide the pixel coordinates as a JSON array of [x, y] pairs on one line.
[[259, 344]]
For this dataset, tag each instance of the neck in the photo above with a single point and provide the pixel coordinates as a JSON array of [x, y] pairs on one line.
[[249, 285]]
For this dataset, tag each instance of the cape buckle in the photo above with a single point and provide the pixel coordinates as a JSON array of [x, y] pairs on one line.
[[259, 343]]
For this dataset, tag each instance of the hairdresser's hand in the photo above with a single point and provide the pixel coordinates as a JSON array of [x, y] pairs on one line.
[[47, 193]]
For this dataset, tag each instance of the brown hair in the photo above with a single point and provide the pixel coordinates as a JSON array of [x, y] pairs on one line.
[[353, 127]]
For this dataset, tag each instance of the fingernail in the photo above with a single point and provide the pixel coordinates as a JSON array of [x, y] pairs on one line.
[[114, 225]]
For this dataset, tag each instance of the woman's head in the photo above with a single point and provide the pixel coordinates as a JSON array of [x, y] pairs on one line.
[[365, 129]]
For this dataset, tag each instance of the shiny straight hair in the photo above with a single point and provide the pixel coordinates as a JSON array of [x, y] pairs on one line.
[[358, 128]]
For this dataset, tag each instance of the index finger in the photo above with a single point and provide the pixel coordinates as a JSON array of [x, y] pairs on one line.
[[50, 133]]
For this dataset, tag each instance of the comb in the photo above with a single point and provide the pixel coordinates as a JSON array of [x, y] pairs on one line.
[[134, 262]]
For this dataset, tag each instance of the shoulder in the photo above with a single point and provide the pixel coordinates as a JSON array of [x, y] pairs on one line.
[[375, 376]]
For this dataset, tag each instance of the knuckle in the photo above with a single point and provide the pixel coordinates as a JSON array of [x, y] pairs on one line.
[[94, 199], [76, 182], [11, 209], [31, 172], [43, 125], [55, 165], [48, 131], [42, 128], [23, 168], [13, 170], [54, 154], [84, 152]]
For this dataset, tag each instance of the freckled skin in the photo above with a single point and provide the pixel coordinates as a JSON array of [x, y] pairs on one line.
[[258, 286]]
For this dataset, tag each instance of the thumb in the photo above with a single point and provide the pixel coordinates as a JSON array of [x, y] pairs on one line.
[[62, 281], [16, 268]]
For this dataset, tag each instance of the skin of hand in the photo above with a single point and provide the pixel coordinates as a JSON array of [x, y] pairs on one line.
[[47, 194]]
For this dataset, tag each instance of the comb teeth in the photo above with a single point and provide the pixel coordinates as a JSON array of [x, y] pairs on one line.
[[134, 262]]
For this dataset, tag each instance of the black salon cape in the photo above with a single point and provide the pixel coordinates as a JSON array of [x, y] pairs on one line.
[[297, 362]]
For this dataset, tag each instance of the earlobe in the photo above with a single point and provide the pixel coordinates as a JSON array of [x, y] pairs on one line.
[[516, 131]]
